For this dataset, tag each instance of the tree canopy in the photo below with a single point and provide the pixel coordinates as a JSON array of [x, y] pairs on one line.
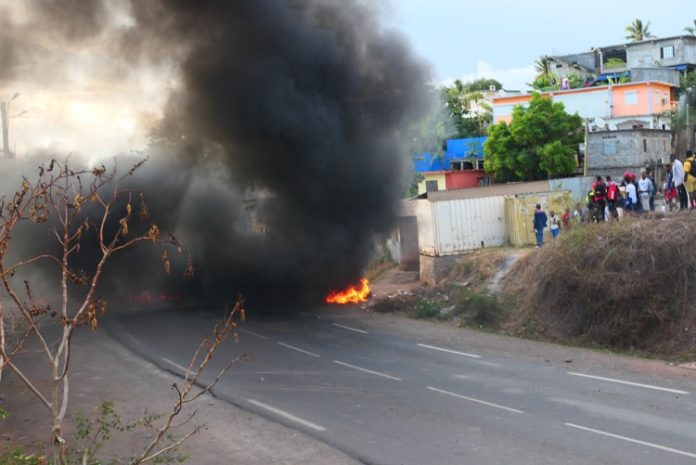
[[539, 143], [637, 31], [691, 29], [469, 113]]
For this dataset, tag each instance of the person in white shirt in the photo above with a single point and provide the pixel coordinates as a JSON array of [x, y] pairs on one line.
[[645, 188], [631, 197], [678, 180]]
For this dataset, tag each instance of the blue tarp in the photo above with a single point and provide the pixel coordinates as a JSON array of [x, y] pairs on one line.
[[457, 149], [616, 75]]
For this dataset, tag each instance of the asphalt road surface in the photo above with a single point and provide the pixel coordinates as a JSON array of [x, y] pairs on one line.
[[387, 390]]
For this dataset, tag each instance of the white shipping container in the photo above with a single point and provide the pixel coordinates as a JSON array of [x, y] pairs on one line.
[[451, 227]]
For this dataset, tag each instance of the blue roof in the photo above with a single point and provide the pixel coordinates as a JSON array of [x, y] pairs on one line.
[[457, 149]]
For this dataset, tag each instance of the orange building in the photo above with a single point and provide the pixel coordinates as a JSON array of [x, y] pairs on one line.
[[620, 106]]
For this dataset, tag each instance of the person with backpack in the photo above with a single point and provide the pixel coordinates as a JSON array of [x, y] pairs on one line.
[[613, 195], [540, 220], [600, 198], [555, 224], [690, 177]]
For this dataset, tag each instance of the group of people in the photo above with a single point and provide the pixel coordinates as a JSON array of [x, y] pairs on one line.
[[606, 198], [541, 221], [637, 195]]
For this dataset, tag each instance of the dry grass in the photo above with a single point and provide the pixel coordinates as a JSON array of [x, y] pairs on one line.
[[628, 285]]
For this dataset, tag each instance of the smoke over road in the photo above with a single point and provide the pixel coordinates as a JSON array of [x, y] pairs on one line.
[[278, 156]]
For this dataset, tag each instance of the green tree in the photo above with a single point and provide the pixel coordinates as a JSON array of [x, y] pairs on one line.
[[637, 31], [543, 66], [469, 113], [539, 143], [544, 79], [691, 29]]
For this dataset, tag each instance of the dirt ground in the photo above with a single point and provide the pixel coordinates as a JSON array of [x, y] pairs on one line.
[[105, 370]]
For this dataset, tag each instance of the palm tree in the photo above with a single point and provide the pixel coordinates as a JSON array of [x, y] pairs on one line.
[[543, 66], [691, 30], [638, 31]]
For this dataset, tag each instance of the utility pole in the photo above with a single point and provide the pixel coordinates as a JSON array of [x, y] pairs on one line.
[[5, 129], [5, 117]]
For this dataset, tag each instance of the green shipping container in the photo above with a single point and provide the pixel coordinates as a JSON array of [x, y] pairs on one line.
[[519, 214]]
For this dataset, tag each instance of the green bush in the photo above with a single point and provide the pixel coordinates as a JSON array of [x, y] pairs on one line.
[[17, 456], [426, 309], [476, 308]]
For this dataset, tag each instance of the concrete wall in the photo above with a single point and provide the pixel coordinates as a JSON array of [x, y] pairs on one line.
[[668, 75], [576, 187], [434, 269], [586, 60], [613, 152], [647, 53]]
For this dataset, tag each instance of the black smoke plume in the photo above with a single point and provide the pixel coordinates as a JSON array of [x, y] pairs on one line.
[[278, 160]]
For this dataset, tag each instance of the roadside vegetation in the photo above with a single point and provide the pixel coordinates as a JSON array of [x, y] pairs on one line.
[[462, 299], [625, 286]]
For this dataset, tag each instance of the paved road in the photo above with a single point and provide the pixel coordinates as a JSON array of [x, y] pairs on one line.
[[393, 391]]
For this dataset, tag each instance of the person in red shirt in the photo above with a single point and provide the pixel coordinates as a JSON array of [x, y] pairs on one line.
[[565, 219], [612, 197], [600, 198]]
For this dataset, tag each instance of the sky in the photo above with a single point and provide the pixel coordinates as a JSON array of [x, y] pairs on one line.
[[501, 39], [79, 99]]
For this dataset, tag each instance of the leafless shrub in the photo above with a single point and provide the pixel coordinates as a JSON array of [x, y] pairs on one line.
[[71, 203]]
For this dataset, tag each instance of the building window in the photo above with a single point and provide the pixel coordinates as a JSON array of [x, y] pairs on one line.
[[610, 147], [431, 186], [631, 97], [645, 145], [667, 52]]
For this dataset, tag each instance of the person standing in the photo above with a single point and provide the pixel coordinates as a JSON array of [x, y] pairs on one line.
[[645, 188], [555, 224], [565, 218], [600, 198], [678, 180], [631, 196], [540, 220], [670, 192], [690, 177], [651, 177], [613, 195]]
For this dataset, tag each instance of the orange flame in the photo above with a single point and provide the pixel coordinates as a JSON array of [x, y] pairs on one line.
[[351, 295]]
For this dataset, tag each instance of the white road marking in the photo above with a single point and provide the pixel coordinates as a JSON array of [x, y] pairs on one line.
[[449, 351], [612, 380], [367, 371], [471, 399], [246, 331], [286, 415], [175, 365], [131, 337], [635, 441], [299, 350], [361, 331]]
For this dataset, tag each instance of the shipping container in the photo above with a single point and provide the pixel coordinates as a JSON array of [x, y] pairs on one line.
[[451, 227], [519, 214]]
